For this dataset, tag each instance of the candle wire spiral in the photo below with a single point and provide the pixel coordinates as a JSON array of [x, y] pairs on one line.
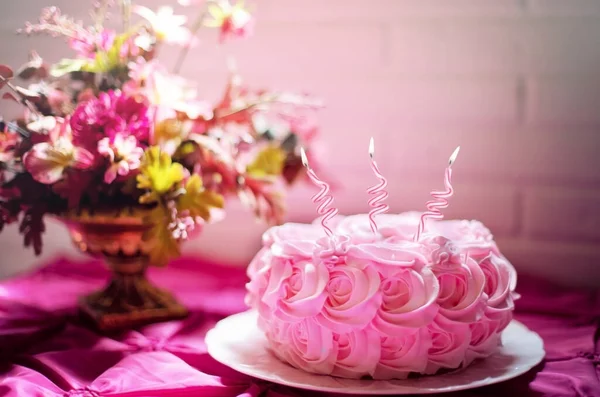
[[323, 200], [380, 194], [439, 202]]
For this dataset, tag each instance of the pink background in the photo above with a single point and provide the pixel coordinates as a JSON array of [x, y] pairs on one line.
[[515, 83]]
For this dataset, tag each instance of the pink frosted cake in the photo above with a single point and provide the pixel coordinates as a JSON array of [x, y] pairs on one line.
[[364, 304]]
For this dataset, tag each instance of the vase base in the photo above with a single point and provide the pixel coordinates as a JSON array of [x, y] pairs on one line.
[[114, 309], [122, 321]]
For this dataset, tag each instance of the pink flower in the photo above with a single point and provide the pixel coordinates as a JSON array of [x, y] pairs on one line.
[[141, 69], [170, 94], [87, 44], [303, 126], [86, 95], [110, 114], [233, 21], [47, 161], [123, 153], [105, 39], [166, 26], [358, 353], [409, 289], [58, 100], [403, 354], [182, 224], [449, 342]]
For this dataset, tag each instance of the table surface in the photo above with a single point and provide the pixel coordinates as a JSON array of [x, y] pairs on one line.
[[45, 351]]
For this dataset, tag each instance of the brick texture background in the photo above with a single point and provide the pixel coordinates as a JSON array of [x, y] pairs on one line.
[[515, 82]]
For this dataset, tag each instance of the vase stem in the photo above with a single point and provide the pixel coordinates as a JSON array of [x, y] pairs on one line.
[[130, 299]]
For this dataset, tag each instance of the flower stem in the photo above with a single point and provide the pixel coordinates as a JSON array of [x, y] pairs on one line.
[[24, 100], [265, 101], [100, 14], [186, 48], [126, 11]]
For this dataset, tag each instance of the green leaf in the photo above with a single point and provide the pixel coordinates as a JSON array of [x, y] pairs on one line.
[[65, 66], [164, 246], [111, 59], [198, 200], [269, 162]]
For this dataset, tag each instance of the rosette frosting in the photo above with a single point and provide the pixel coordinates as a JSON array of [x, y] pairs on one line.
[[379, 305]]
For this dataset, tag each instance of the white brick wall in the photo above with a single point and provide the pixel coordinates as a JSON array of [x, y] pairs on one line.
[[515, 82]]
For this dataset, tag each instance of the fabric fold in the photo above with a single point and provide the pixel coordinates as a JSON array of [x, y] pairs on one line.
[[46, 352]]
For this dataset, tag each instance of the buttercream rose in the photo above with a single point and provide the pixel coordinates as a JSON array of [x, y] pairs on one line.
[[303, 292], [358, 228], [408, 288], [449, 342], [403, 354], [276, 332], [470, 237], [295, 289], [292, 231], [332, 251], [306, 345], [401, 227], [408, 300], [260, 260], [397, 227], [353, 296], [258, 273], [500, 281], [293, 249], [265, 287], [358, 353], [461, 280], [502, 317], [485, 339]]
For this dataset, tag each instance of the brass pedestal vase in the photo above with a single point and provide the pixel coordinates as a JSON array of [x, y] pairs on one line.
[[129, 299]]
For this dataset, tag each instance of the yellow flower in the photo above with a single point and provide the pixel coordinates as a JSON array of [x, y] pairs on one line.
[[269, 162], [158, 174], [197, 200]]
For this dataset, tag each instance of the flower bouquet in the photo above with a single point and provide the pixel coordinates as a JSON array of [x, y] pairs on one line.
[[129, 158]]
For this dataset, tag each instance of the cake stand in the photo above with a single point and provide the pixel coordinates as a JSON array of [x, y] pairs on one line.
[[238, 343]]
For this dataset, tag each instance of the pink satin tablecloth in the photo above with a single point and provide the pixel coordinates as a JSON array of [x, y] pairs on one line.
[[45, 351]]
